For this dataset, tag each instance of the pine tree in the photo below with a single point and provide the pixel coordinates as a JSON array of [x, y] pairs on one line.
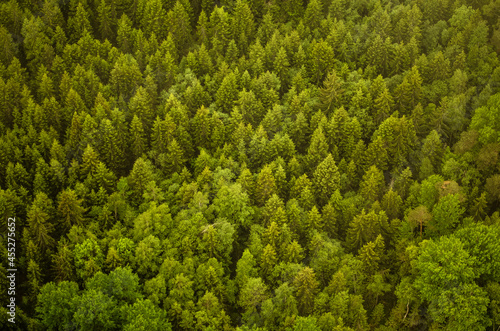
[[70, 209], [138, 140], [281, 65], [273, 120], [110, 147], [382, 106], [376, 155], [175, 157], [40, 221], [380, 54], [281, 182], [106, 16], [321, 60], [242, 25], [125, 76], [372, 185], [79, 24], [440, 67], [257, 149], [90, 161], [34, 280], [247, 182], [9, 49], [245, 268], [326, 180], [180, 27], [478, 208], [250, 107], [272, 235], [293, 252], [313, 14], [227, 93], [392, 204], [153, 18], [371, 253], [265, 186], [202, 127], [141, 106], [401, 60], [332, 92], [318, 148], [202, 28], [162, 134], [331, 219], [62, 262], [365, 228], [299, 132], [268, 260], [140, 176], [220, 30], [399, 138], [409, 92], [314, 219], [251, 297], [306, 284]]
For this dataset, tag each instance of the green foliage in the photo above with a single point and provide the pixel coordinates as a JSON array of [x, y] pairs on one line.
[[485, 120], [251, 164], [446, 279], [56, 305], [94, 309], [326, 179], [88, 258], [144, 315], [446, 214]]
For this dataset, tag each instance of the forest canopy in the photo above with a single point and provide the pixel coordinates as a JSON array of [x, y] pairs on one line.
[[251, 165]]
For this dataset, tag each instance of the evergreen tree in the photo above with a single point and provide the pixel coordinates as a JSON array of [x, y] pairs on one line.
[[70, 209], [79, 23], [265, 186], [137, 138], [326, 179], [306, 284], [227, 93], [107, 20], [332, 92], [318, 149], [40, 221], [179, 25], [372, 184]]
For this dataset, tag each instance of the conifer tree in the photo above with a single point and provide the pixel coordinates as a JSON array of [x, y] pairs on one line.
[[313, 14], [125, 76], [306, 284], [326, 180], [227, 93], [318, 148], [243, 25], [62, 262], [314, 219], [179, 26], [40, 221], [321, 60], [138, 141], [265, 186], [382, 106], [70, 209], [372, 185], [371, 254], [79, 23], [332, 91]]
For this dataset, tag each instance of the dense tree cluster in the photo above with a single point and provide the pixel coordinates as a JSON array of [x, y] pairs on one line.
[[251, 165]]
